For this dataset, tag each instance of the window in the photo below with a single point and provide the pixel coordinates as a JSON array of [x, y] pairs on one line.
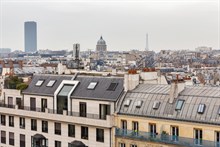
[[22, 122], [57, 128], [3, 137], [71, 130], [18, 102], [122, 145], [219, 110], [84, 133], [156, 105], [11, 121], [100, 135], [174, 133], [45, 126], [198, 136], [39, 83], [104, 110], [127, 103], [33, 124], [124, 124], [82, 109], [22, 140], [153, 130], [43, 105], [3, 120], [138, 104], [65, 90], [133, 145], [51, 83], [92, 85], [33, 103], [57, 143], [201, 108], [217, 138], [179, 104], [11, 138], [112, 86], [135, 127]]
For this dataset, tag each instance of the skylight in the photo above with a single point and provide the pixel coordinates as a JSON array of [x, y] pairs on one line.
[[112, 86], [179, 104], [65, 90], [51, 83], [156, 105], [92, 85], [219, 110], [39, 83], [138, 104], [127, 103], [201, 108]]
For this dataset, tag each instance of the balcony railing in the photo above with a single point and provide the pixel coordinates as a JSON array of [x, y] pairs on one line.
[[52, 111], [164, 138]]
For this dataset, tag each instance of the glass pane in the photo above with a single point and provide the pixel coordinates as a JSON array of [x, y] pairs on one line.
[[65, 90]]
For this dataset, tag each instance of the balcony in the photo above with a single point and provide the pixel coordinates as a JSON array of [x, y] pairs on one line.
[[163, 138], [50, 114]]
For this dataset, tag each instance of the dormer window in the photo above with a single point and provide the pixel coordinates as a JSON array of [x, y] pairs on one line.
[[179, 104], [127, 103], [92, 85], [112, 86], [138, 104], [39, 83], [51, 83], [156, 105], [201, 108]]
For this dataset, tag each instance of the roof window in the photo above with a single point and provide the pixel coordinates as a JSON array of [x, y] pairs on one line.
[[127, 103], [51, 83], [112, 86], [179, 104], [156, 105], [201, 108], [92, 85], [39, 83], [138, 104]]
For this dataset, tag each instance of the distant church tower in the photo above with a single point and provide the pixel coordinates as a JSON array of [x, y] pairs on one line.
[[101, 47]]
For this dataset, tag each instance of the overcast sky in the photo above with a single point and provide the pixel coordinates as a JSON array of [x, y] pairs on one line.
[[171, 24]]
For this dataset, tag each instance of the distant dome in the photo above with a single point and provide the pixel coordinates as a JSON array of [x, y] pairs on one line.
[[101, 41]]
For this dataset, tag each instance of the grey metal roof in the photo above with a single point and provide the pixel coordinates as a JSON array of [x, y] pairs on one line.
[[43, 89], [193, 96], [100, 92]]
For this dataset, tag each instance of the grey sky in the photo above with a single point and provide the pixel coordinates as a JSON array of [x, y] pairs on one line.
[[171, 24]]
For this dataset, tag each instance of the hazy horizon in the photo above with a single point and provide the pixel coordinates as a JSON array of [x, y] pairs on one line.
[[170, 24]]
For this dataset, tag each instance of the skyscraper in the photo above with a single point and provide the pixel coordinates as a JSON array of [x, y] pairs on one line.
[[30, 36], [147, 45]]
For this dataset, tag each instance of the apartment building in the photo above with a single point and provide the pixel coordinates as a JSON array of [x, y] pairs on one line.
[[61, 111], [168, 115]]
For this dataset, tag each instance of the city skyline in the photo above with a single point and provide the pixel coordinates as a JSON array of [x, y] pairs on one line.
[[123, 24]]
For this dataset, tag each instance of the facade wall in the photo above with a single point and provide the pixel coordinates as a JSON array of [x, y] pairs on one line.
[[51, 136], [92, 106], [50, 101], [186, 129]]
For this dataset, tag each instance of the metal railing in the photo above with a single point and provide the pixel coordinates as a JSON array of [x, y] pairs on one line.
[[52, 111], [164, 138]]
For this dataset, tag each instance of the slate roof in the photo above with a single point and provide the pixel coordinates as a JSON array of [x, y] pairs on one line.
[[193, 96], [100, 92], [43, 89]]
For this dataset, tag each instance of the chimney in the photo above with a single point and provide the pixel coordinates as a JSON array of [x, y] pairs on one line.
[[131, 81], [176, 88]]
